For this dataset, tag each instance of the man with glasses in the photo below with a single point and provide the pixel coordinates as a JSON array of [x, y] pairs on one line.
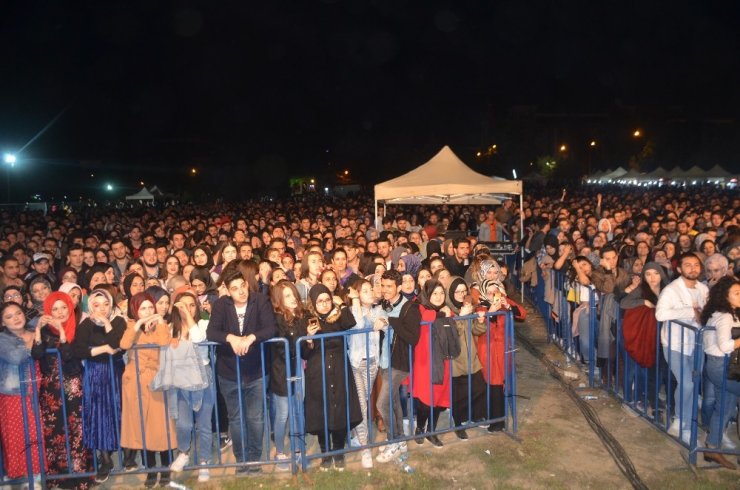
[[240, 322]]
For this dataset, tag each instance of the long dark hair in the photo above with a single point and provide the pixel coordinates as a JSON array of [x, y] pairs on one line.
[[177, 319], [719, 300]]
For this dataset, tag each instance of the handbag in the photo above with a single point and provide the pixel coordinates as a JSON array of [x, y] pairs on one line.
[[733, 366]]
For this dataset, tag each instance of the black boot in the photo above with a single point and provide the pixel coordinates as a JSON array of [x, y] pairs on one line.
[[164, 477], [151, 462], [129, 460], [105, 465]]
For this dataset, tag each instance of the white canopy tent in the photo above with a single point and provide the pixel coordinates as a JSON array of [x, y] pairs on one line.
[[445, 179], [142, 195]]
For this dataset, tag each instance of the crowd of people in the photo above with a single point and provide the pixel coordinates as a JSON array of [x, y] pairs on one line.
[[84, 292], [110, 313], [656, 256]]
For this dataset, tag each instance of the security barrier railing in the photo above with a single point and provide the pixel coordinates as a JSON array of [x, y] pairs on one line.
[[673, 392], [499, 352]]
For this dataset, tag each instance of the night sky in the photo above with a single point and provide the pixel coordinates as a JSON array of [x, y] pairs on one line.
[[257, 92]]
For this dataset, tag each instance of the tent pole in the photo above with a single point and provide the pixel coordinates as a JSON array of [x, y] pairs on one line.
[[384, 210], [521, 233], [375, 216]]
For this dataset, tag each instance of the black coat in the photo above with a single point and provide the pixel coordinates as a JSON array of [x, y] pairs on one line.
[[340, 382], [258, 320], [278, 380]]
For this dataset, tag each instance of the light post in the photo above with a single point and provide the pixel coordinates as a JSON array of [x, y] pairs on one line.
[[9, 160]]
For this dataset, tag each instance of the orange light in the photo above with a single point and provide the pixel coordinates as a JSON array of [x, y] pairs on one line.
[[593, 143], [563, 148], [637, 133]]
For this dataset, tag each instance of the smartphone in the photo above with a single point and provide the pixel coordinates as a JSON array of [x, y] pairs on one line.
[[314, 322]]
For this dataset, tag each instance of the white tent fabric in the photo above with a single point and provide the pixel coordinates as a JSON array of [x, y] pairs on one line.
[[445, 179], [718, 172], [614, 174], [142, 195]]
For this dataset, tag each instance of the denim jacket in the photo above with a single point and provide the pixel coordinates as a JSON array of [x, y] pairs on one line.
[[13, 353], [365, 346]]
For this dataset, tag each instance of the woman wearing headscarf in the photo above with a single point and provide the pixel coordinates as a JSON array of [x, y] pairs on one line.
[[138, 400], [131, 285], [97, 341], [39, 288], [468, 385], [409, 267], [75, 293], [430, 383], [639, 330], [15, 353], [332, 317], [204, 286], [61, 392]]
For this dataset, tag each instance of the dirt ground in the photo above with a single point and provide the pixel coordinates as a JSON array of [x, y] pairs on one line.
[[556, 449]]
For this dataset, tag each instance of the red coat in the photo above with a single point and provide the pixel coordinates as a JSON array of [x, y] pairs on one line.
[[493, 367], [440, 394]]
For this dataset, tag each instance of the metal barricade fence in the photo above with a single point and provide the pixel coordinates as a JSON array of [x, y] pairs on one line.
[[32, 421], [509, 388]]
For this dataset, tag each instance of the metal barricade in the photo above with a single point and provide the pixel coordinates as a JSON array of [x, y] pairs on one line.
[[320, 348]]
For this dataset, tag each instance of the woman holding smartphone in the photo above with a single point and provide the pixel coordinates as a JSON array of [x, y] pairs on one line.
[[329, 370]]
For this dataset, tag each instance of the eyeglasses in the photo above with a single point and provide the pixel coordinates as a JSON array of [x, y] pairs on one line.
[[11, 296], [323, 301]]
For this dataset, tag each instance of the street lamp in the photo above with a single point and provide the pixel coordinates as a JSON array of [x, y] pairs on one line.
[[10, 159], [563, 148], [109, 187], [637, 133], [593, 143]]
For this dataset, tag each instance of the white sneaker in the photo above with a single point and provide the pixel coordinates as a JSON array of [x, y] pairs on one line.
[[407, 427], [367, 459], [389, 453], [282, 467], [728, 443], [203, 475], [403, 447], [675, 428], [180, 462]]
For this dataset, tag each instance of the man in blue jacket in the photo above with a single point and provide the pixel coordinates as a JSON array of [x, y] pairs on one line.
[[240, 322]]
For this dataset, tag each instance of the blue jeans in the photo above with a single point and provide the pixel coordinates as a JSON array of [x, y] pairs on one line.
[[282, 422], [682, 367], [184, 425], [725, 401], [253, 423]]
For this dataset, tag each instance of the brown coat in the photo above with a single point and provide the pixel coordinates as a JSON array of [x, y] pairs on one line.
[[152, 405]]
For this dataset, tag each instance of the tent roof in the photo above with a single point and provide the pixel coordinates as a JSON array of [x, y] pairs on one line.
[[693, 172], [142, 195], [659, 173], [445, 179], [718, 171], [614, 174]]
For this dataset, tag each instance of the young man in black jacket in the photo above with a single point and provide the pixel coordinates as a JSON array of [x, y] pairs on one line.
[[240, 322], [404, 318]]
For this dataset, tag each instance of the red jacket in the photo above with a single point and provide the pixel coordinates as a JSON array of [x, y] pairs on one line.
[[440, 394]]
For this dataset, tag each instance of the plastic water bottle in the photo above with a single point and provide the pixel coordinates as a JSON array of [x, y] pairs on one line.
[[402, 461]]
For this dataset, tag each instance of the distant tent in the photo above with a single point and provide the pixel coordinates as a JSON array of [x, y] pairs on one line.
[[659, 173], [694, 172], [596, 176], [619, 172], [142, 195], [156, 191], [718, 172], [632, 175]]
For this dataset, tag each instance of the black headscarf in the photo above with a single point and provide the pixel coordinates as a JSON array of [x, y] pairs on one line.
[[454, 283], [204, 275], [426, 294], [432, 247], [313, 295], [127, 284]]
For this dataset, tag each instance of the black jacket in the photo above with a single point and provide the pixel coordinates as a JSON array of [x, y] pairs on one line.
[[406, 330], [278, 384], [258, 320]]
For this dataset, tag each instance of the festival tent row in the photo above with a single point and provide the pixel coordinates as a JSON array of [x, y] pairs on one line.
[[693, 175]]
